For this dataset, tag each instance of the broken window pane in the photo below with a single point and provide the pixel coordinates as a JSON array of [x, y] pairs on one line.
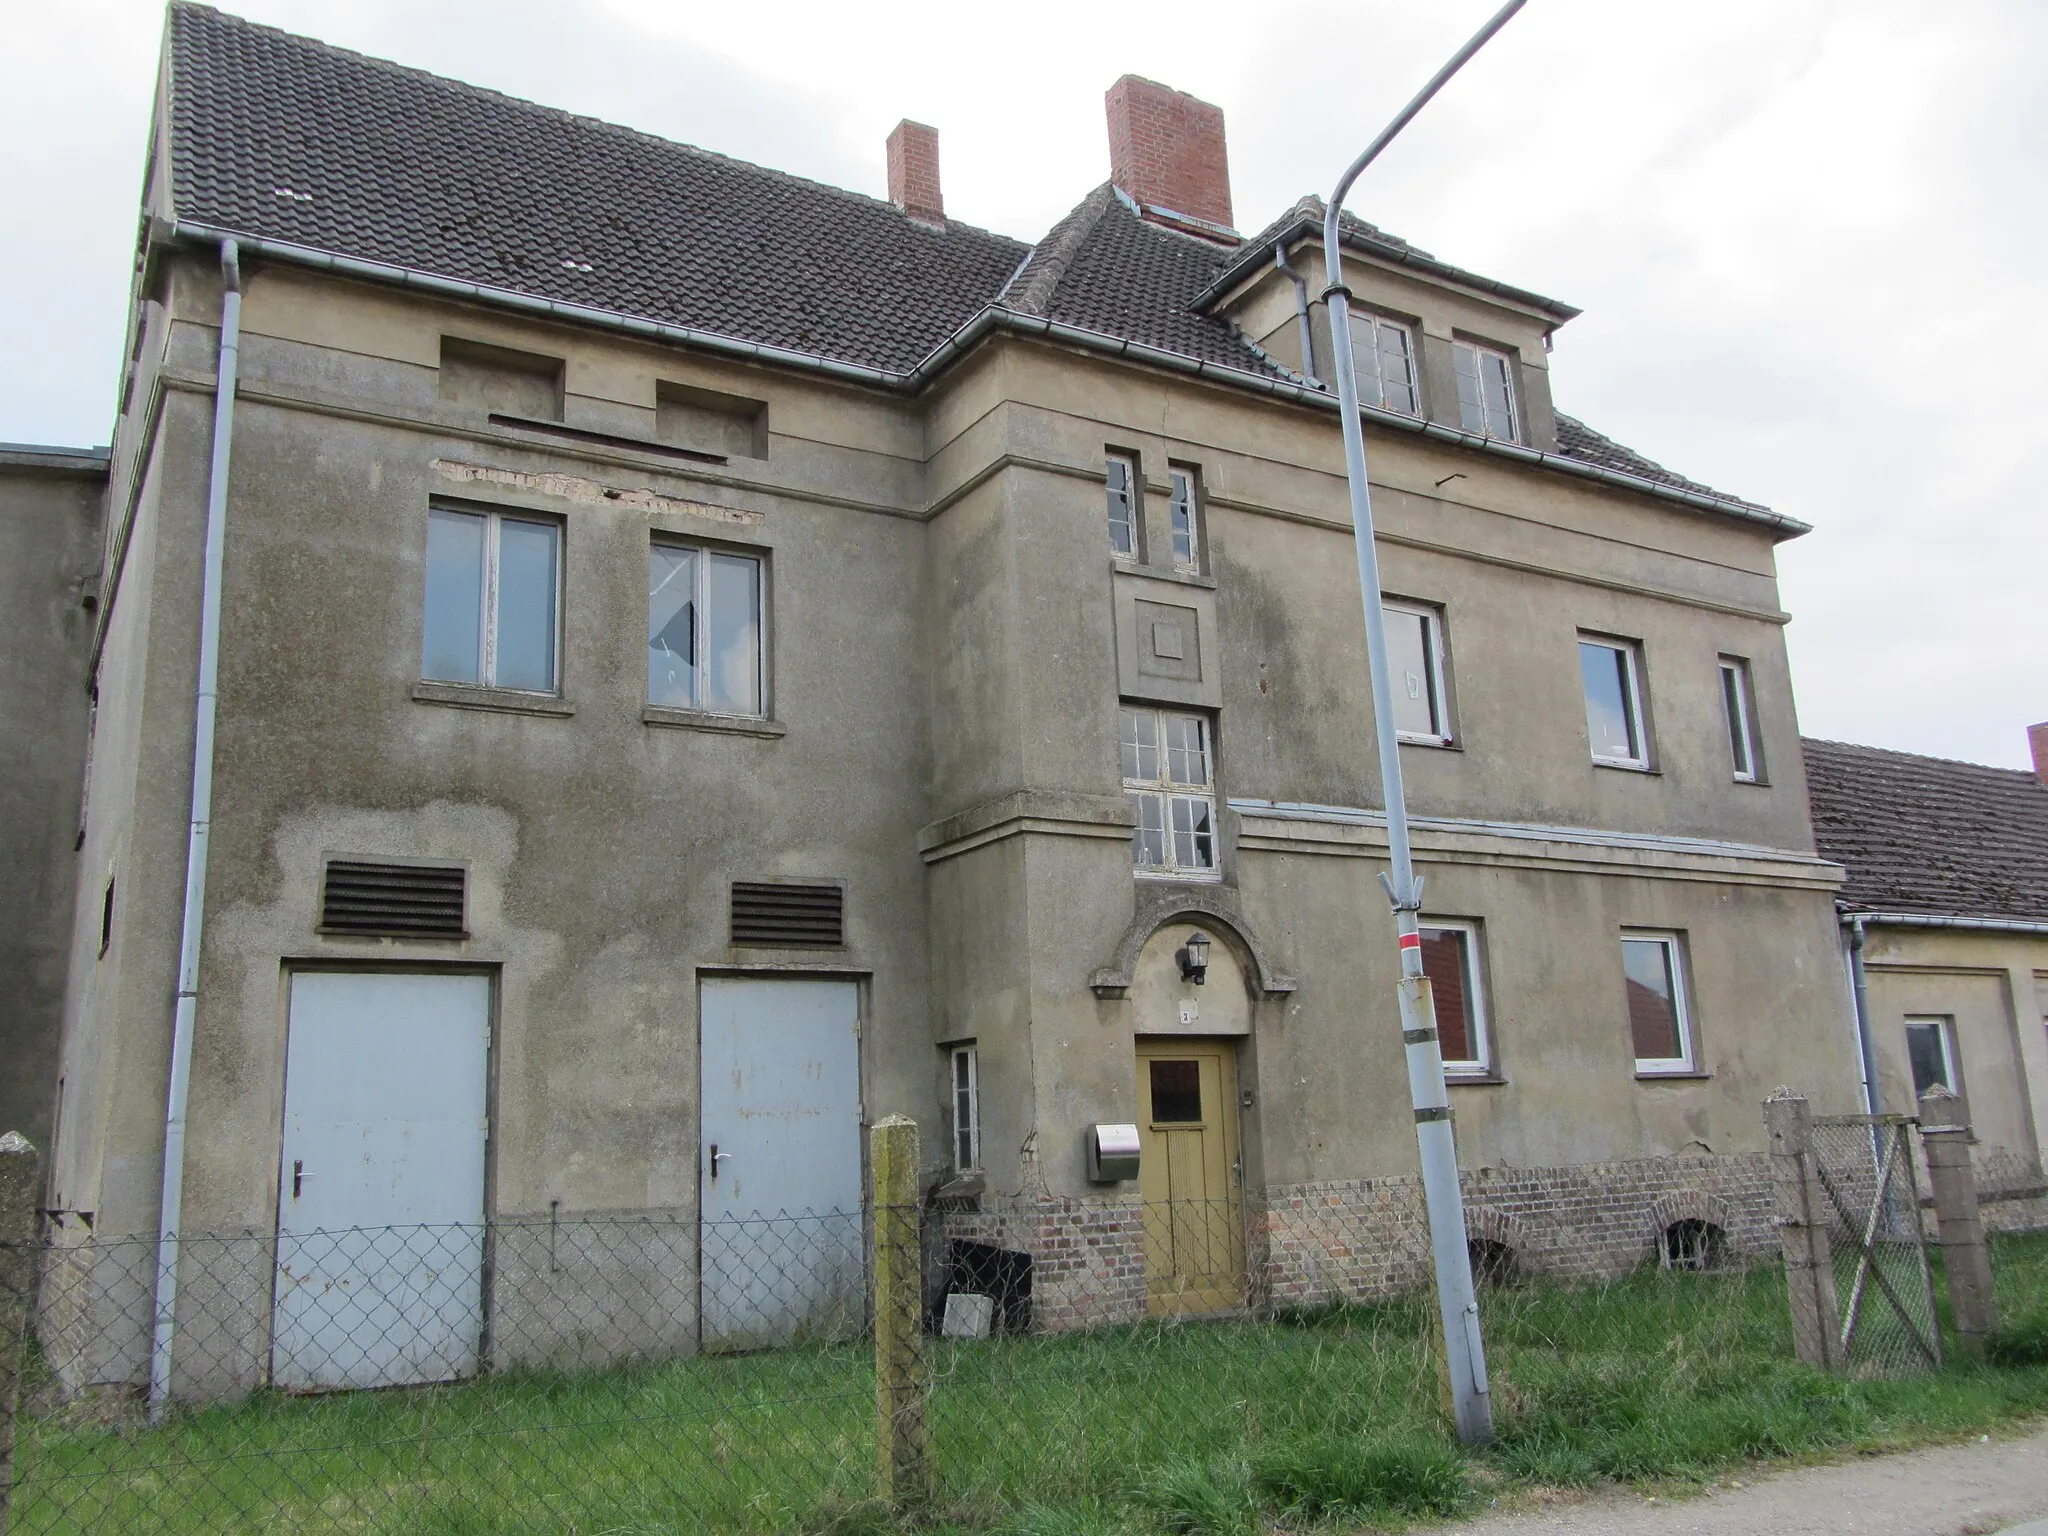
[[1123, 508], [1194, 840], [452, 648], [1186, 557], [526, 606], [672, 627]]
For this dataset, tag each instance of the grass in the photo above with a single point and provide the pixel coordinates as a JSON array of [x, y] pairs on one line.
[[1329, 1417]]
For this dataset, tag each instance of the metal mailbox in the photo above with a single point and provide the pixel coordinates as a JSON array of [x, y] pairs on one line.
[[1112, 1153]]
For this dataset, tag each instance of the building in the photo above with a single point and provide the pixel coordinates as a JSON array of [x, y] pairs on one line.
[[1945, 914], [1001, 636]]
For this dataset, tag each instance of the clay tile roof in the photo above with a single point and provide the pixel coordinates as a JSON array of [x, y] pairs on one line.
[[1926, 835], [287, 139]]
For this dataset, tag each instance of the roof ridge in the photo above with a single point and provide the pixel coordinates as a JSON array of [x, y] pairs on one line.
[[1921, 757], [605, 125], [1032, 289]]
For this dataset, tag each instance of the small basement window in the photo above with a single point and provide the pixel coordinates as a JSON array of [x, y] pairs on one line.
[[1693, 1244]]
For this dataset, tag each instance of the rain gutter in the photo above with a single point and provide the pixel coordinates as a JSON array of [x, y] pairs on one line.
[[982, 323]]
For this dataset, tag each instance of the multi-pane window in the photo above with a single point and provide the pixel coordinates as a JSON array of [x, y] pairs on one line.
[[1659, 1019], [1167, 776], [1486, 390], [1126, 502], [1931, 1049], [1739, 705], [1415, 660], [1383, 357], [1611, 671], [1180, 510], [493, 599], [966, 1070], [1450, 959], [704, 630]]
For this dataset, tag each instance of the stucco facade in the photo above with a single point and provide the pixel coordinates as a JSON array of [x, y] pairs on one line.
[[949, 644]]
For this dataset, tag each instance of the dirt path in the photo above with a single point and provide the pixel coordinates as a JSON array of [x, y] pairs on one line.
[[1948, 1490]]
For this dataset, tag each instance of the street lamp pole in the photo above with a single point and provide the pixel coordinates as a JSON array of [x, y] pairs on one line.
[[1464, 1353]]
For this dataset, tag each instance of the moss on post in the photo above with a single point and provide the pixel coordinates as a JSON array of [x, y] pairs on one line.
[[903, 1446], [20, 1168]]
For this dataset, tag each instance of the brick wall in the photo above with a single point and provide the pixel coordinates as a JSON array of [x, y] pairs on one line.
[[914, 171]]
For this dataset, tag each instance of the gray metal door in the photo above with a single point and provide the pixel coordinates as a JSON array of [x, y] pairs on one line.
[[380, 1207], [780, 1175]]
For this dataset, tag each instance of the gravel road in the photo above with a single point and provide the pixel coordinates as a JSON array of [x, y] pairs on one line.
[[1948, 1490]]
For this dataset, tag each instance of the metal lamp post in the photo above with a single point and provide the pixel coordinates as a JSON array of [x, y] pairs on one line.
[[1464, 1353]]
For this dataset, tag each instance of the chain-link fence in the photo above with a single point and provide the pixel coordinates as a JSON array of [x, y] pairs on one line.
[[1886, 1321], [657, 1374]]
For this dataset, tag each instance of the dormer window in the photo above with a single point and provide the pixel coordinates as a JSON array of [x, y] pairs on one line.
[[1383, 353], [1486, 391]]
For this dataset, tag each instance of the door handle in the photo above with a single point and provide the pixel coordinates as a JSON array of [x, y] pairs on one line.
[[715, 1156], [299, 1176]]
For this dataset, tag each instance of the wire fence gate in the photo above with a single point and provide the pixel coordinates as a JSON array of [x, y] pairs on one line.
[[1885, 1322]]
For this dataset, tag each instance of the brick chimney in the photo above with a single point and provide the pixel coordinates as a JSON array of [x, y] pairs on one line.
[[1166, 150], [914, 172], [2037, 738]]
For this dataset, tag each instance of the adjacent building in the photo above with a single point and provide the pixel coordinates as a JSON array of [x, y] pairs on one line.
[[1945, 915], [706, 660]]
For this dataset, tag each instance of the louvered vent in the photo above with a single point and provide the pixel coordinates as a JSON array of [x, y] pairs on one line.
[[788, 916], [398, 901]]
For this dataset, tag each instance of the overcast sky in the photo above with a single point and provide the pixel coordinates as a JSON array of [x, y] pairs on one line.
[[1809, 235]]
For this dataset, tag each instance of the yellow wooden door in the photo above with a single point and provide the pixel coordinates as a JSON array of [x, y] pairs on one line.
[[1188, 1176]]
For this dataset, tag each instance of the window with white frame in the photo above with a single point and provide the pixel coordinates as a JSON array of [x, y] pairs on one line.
[[1486, 391], [1931, 1051], [1126, 506], [1383, 357], [1167, 776], [1659, 1015], [493, 600], [704, 633], [1415, 660], [1450, 959], [966, 1074], [1611, 671], [1738, 704], [1180, 509]]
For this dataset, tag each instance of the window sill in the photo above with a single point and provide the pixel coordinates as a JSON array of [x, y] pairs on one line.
[[1180, 876], [1131, 566], [1644, 769], [1474, 1080], [704, 720], [1671, 1075], [506, 700], [1434, 743]]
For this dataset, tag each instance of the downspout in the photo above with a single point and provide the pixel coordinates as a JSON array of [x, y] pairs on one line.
[[1308, 335], [1859, 985], [171, 1213]]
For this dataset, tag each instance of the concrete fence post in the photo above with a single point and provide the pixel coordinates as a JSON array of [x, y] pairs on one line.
[[20, 1168], [903, 1443], [1965, 1258], [1803, 1230]]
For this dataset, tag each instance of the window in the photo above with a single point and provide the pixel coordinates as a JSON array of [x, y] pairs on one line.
[[1738, 704], [1126, 503], [1931, 1048], [1450, 959], [1611, 671], [704, 630], [1187, 540], [1486, 390], [1383, 356], [1415, 660], [493, 594], [1166, 774], [966, 1108], [1653, 971]]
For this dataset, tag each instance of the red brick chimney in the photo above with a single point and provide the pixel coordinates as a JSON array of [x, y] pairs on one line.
[[1166, 150], [914, 171], [2037, 738]]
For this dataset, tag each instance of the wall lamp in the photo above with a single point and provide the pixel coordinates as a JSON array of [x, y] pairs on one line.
[[1194, 958]]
